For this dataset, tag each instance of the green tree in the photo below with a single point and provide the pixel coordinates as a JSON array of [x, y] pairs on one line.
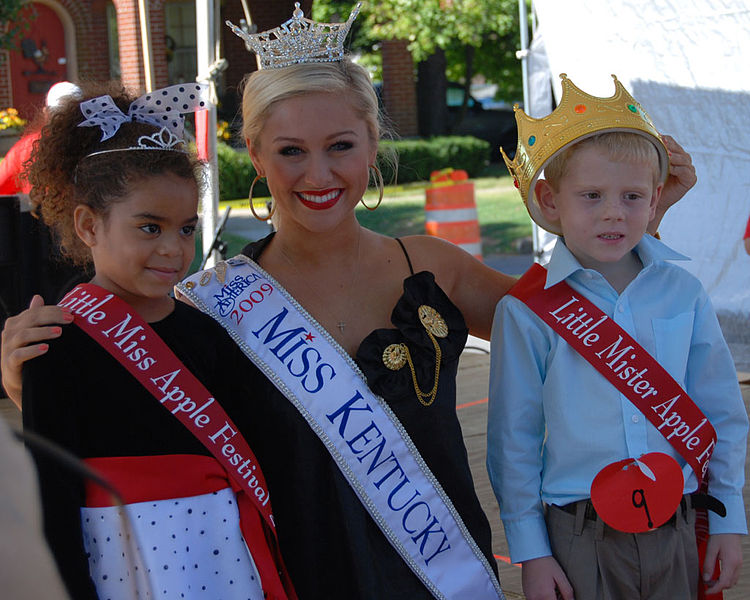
[[478, 37], [15, 16]]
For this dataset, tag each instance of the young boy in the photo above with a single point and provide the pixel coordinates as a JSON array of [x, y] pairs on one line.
[[571, 393]]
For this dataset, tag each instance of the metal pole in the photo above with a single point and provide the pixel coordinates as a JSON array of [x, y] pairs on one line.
[[524, 51], [523, 55], [148, 58], [206, 13]]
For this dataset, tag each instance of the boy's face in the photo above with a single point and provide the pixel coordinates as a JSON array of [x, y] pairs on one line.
[[603, 206]]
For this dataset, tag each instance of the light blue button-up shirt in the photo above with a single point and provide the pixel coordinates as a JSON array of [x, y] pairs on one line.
[[554, 422]]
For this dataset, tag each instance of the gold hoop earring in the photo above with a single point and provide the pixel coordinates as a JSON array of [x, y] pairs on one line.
[[381, 188], [250, 198]]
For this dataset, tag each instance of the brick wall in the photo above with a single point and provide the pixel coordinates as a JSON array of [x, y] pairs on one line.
[[131, 48], [92, 42], [90, 22], [158, 42], [5, 95], [399, 90]]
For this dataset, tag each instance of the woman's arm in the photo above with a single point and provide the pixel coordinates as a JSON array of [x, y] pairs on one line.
[[471, 285], [23, 339]]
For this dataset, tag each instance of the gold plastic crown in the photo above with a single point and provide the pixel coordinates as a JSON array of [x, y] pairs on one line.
[[578, 116], [298, 40]]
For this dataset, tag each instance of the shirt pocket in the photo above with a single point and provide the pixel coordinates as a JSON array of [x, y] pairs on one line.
[[672, 339]]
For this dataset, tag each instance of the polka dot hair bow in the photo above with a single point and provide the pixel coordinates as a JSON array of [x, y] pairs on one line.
[[162, 108]]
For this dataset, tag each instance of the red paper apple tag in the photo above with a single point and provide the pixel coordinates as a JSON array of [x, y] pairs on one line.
[[635, 495]]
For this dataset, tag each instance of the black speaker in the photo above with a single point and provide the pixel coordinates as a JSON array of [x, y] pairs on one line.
[[30, 262]]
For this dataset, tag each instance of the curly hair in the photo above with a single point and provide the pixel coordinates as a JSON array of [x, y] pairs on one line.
[[63, 174]]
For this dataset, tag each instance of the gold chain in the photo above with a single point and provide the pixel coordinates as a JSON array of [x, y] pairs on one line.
[[396, 355]]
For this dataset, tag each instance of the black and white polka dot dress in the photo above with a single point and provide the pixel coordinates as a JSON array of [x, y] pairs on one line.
[[183, 548]]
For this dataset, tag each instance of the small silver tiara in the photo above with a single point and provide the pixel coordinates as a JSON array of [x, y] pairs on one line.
[[298, 40], [163, 140]]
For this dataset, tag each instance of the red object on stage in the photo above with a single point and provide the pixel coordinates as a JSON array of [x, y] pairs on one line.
[[201, 134]]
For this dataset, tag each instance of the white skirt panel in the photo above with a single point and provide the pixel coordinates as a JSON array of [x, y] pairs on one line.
[[170, 549]]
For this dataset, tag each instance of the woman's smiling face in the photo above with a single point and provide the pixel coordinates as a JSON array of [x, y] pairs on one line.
[[315, 152]]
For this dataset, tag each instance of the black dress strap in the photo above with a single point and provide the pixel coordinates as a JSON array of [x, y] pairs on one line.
[[406, 254]]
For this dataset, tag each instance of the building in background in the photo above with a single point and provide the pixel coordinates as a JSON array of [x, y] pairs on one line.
[[78, 40]]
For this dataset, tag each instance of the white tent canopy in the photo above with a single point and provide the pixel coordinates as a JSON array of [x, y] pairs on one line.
[[688, 63]]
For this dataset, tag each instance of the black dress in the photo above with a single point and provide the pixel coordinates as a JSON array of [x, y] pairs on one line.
[[331, 545], [79, 396]]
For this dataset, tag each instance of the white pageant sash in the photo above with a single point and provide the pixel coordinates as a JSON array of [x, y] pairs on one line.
[[364, 437]]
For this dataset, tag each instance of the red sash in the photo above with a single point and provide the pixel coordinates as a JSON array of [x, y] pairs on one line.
[[632, 370], [113, 324], [624, 363]]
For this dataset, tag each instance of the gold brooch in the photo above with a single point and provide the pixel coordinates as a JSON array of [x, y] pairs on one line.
[[432, 321], [221, 271], [205, 277], [395, 356]]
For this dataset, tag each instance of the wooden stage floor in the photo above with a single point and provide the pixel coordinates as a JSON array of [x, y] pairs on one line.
[[473, 377]]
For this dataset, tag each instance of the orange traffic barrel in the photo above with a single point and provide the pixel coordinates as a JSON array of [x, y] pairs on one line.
[[451, 212]]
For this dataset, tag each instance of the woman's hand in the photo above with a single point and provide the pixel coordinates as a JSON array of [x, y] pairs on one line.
[[681, 178], [23, 339]]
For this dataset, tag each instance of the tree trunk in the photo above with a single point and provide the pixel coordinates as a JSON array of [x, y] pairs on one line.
[[468, 76], [432, 86]]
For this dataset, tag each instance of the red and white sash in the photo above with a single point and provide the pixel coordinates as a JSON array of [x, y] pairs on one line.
[[624, 363], [363, 436], [117, 328]]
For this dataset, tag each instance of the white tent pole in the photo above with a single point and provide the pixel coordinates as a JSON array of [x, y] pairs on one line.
[[148, 58], [524, 51], [206, 12], [523, 55]]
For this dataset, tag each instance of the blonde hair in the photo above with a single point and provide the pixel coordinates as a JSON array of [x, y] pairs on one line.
[[264, 88], [619, 146]]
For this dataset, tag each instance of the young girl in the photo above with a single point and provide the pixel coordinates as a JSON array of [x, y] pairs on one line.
[[112, 178]]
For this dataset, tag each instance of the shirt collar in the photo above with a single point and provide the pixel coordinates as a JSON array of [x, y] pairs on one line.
[[562, 263]]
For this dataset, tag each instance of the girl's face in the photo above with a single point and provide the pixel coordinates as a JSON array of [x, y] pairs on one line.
[[145, 244], [315, 153]]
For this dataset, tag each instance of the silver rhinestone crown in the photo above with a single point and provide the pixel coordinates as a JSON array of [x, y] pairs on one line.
[[163, 140], [298, 40]]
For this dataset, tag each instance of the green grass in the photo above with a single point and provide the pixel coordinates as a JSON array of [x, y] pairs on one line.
[[501, 214]]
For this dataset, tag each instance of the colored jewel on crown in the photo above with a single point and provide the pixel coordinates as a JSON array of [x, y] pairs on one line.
[[298, 40]]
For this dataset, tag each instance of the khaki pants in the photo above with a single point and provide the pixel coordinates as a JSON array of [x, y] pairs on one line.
[[602, 563]]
